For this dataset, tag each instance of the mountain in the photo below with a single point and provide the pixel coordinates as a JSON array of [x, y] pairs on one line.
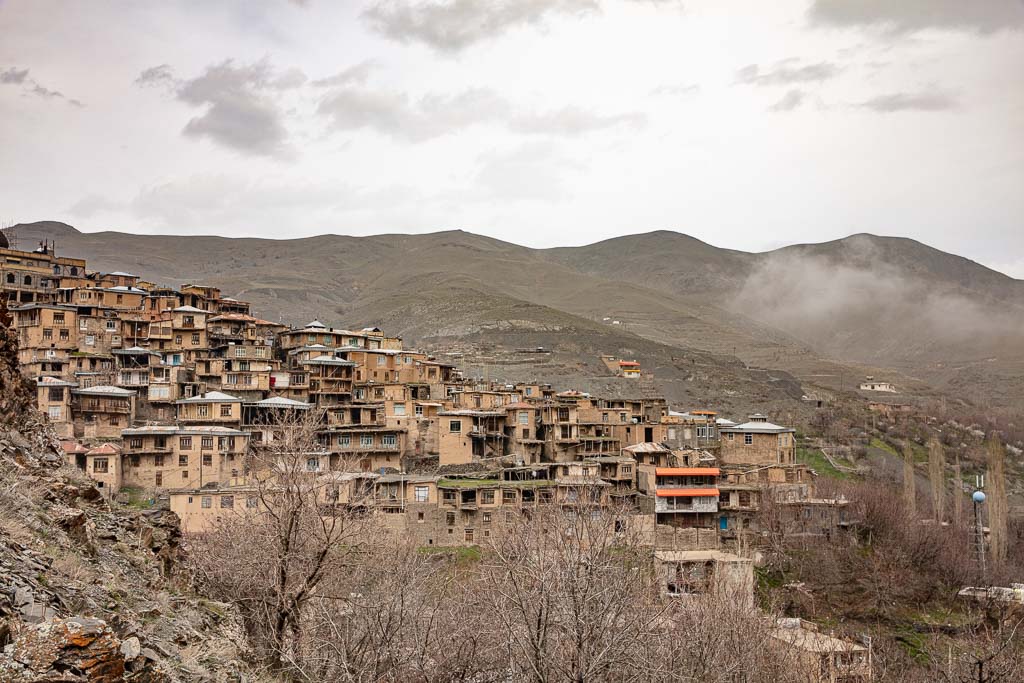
[[819, 313]]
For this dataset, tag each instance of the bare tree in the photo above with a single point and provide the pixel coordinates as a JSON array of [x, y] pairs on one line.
[[997, 504], [909, 485], [958, 494], [573, 594], [271, 556], [937, 478]]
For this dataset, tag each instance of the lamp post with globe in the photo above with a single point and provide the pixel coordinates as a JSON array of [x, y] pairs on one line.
[[978, 497]]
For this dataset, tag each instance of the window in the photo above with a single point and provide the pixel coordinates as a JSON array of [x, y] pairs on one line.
[[524, 417], [135, 443], [399, 410], [487, 518], [100, 465], [184, 475], [65, 335], [487, 497], [207, 459], [251, 502], [188, 321], [225, 410], [53, 412], [508, 496], [748, 439], [419, 411], [344, 440], [381, 360], [203, 410], [366, 440], [159, 479], [622, 417], [177, 339], [389, 440], [182, 461], [469, 535], [421, 494], [111, 325], [313, 464], [195, 339], [206, 443], [207, 502], [455, 426], [449, 518], [526, 432], [627, 469], [47, 333], [158, 460], [10, 278]]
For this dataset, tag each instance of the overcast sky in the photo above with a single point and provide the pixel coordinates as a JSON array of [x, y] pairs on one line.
[[543, 122]]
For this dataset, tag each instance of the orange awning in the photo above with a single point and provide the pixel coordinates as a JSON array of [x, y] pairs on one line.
[[686, 471], [692, 493]]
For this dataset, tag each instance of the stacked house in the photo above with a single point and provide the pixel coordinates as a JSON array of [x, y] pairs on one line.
[[170, 391]]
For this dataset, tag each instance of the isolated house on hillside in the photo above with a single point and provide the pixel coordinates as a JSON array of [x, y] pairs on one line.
[[758, 441]]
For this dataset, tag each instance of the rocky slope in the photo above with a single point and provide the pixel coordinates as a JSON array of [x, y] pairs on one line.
[[90, 591]]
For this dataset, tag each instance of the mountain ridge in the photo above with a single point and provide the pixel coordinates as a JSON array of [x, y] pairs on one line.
[[866, 301]]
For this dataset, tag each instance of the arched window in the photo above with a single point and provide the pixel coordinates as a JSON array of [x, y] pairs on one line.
[[74, 271], [10, 278], [28, 279]]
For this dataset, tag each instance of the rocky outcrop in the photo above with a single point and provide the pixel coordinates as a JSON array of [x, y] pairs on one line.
[[16, 394], [90, 590]]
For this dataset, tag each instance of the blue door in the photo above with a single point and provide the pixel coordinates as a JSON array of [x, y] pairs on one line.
[[723, 523]]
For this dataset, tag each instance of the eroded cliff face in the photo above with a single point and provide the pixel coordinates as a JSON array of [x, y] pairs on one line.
[[91, 591]]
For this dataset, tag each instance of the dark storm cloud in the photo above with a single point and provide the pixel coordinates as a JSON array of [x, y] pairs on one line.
[[929, 100], [983, 16], [240, 100], [790, 101], [453, 25], [785, 73]]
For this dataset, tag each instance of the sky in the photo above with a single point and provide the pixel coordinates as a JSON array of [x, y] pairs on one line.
[[748, 125]]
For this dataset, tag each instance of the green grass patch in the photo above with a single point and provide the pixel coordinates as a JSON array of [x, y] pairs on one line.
[[463, 555], [883, 446], [136, 498], [816, 460]]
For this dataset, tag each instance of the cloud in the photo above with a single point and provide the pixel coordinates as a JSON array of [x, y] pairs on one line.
[[93, 204], [241, 104], [398, 116], [433, 115], [790, 101], [911, 101], [903, 16], [13, 76], [676, 90], [573, 121], [453, 25], [526, 173], [785, 74], [357, 73], [157, 76]]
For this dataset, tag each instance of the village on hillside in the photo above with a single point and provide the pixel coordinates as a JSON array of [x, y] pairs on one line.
[[171, 394]]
